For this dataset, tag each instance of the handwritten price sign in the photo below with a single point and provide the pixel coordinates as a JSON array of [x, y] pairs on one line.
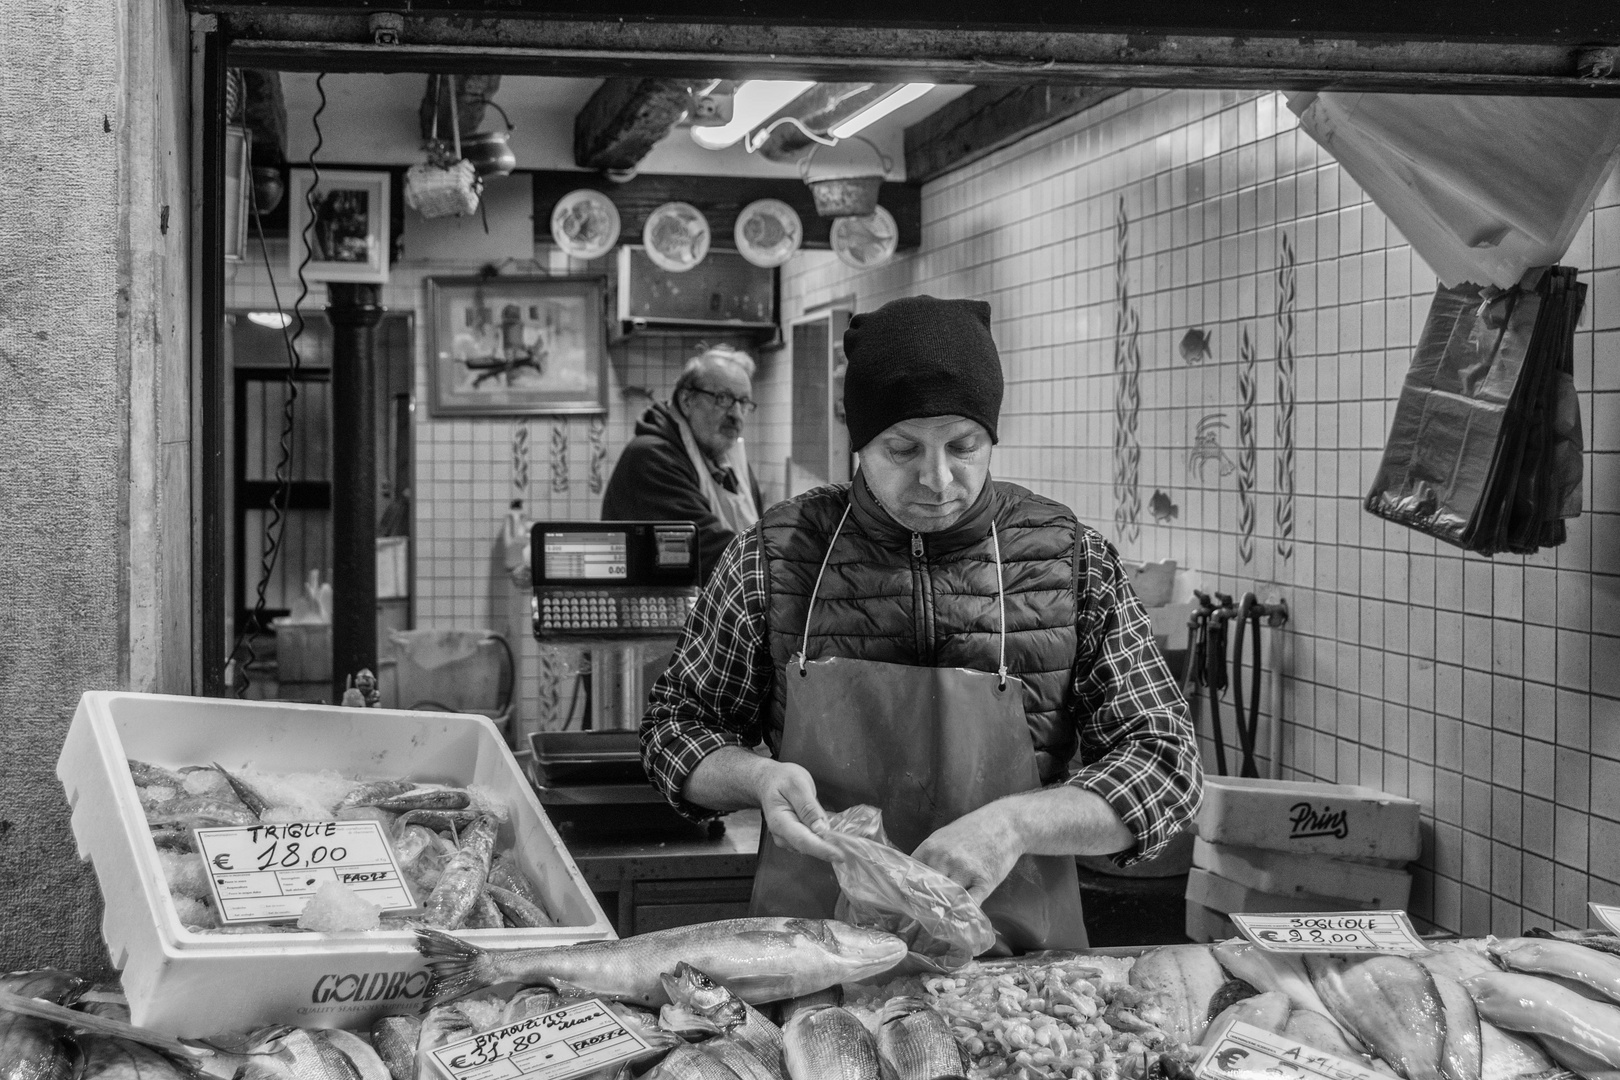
[[263, 873], [570, 1041], [1332, 932], [1246, 1052]]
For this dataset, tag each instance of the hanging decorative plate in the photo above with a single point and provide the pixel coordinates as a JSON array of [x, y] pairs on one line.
[[865, 242], [676, 236], [585, 224], [768, 232]]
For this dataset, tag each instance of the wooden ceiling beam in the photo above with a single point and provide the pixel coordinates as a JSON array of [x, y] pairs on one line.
[[987, 118], [626, 118]]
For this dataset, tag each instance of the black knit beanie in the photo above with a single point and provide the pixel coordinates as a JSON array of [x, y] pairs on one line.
[[916, 357]]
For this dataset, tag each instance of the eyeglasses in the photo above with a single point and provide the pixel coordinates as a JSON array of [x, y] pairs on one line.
[[726, 401]]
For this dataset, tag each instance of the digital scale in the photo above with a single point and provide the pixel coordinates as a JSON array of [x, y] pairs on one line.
[[613, 579], [623, 591]]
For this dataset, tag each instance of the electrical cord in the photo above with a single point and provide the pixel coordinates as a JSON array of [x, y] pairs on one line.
[[275, 523]]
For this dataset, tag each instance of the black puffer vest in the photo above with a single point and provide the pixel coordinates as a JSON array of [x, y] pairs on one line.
[[929, 599]]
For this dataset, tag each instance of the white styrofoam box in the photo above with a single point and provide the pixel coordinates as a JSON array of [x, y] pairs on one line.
[[1337, 820], [1228, 897], [195, 985], [1204, 924], [1285, 874]]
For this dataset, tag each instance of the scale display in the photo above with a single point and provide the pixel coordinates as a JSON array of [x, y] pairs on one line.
[[592, 556]]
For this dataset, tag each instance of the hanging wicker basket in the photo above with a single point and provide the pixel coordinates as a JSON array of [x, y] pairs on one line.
[[845, 196]]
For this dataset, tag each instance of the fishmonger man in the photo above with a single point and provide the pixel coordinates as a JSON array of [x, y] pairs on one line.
[[958, 651]]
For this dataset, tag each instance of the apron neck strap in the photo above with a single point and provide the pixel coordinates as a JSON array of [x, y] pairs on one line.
[[1001, 602], [810, 609]]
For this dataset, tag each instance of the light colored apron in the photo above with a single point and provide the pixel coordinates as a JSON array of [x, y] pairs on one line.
[[925, 745]]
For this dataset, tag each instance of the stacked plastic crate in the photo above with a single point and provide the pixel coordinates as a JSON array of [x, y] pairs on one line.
[[1285, 845]]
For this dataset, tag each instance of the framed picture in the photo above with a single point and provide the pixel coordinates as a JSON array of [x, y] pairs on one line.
[[516, 346], [346, 232]]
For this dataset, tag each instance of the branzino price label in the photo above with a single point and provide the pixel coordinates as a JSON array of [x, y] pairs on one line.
[[1246, 1052], [1332, 932], [1608, 915], [263, 873], [570, 1041]]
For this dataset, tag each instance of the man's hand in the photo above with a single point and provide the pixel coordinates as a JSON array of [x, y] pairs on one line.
[[732, 778], [787, 800], [977, 850]]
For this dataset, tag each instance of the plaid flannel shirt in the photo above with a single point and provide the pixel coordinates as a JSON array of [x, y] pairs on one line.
[[1137, 747]]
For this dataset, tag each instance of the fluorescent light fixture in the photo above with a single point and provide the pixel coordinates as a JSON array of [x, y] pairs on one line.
[[275, 320], [903, 94], [753, 104]]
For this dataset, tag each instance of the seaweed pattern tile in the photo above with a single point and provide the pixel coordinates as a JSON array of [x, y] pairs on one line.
[[1286, 399], [559, 457], [1247, 465], [1127, 391], [596, 439]]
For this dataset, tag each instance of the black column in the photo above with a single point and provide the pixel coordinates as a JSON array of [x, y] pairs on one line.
[[354, 310]]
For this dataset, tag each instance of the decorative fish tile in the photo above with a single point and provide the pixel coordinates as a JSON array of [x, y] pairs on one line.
[[1206, 447], [1195, 346], [1163, 510]]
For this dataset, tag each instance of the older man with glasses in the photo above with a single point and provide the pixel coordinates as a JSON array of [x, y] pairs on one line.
[[687, 461]]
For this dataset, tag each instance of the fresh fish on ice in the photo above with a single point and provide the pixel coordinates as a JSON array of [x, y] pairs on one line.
[[759, 959], [198, 812], [713, 1004], [518, 911], [915, 1041], [395, 1038], [298, 1054], [441, 1026], [741, 1060], [146, 775], [102, 1057], [829, 1043], [1456, 959], [365, 1060], [1601, 940], [1507, 1055], [689, 1063], [485, 915], [1460, 1059], [441, 820], [1283, 972], [1564, 959], [1388, 1002], [369, 791], [256, 803], [1268, 1011], [462, 882], [1320, 1031], [1179, 981], [32, 1049], [1579, 1033], [424, 798]]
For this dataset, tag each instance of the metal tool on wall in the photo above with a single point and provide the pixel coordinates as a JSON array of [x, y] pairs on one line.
[[1207, 675], [1252, 611]]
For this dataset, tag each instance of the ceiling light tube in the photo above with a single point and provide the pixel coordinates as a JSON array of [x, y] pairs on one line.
[[901, 95], [274, 320], [754, 102]]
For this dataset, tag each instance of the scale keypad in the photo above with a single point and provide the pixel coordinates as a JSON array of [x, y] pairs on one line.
[[590, 611]]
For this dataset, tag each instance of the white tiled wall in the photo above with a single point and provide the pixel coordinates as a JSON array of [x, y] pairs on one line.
[[1489, 689], [468, 469]]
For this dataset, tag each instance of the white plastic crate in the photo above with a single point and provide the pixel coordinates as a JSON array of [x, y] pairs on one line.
[[195, 985], [1229, 898], [1373, 887], [1340, 821]]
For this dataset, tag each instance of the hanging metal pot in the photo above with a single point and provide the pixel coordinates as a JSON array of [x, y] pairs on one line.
[[845, 196], [489, 151]]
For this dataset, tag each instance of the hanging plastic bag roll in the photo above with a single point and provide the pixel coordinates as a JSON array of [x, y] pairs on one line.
[[886, 889]]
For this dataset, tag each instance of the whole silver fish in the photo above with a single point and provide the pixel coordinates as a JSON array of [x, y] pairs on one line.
[[1391, 1004], [742, 1060], [758, 959], [48, 984], [441, 1026], [690, 1063], [505, 873], [104, 1058], [485, 914], [916, 1042], [198, 811], [32, 1049], [423, 798], [518, 911], [462, 882], [394, 1038], [299, 1055], [256, 803], [366, 792], [440, 820], [711, 1002], [146, 775], [830, 1043]]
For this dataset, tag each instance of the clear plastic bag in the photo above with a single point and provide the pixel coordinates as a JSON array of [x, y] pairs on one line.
[[886, 889]]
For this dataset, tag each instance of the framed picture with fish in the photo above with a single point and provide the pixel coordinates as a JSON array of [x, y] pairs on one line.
[[517, 346], [338, 221]]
